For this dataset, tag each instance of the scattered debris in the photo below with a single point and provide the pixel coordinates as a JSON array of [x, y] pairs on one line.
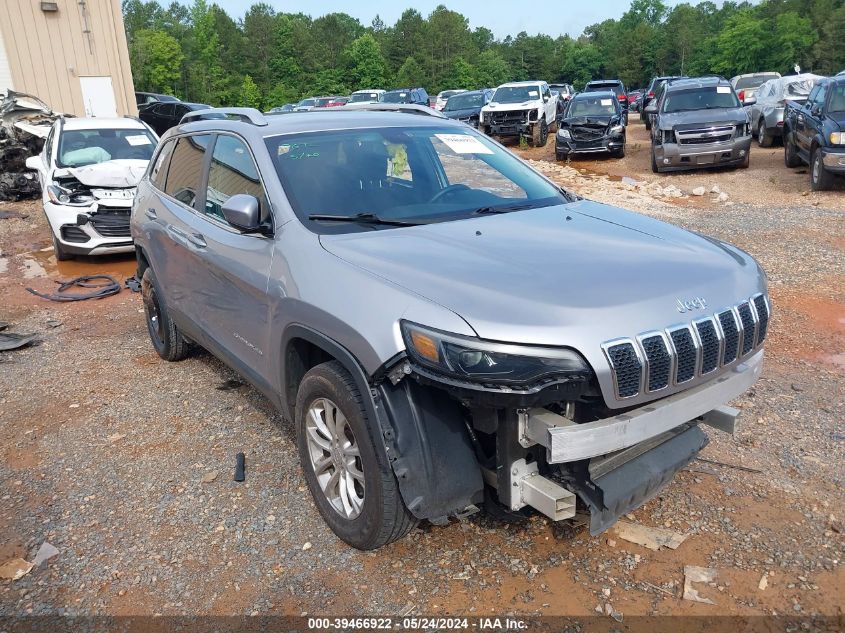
[[407, 610], [17, 215], [230, 385], [53, 323], [307, 546], [15, 568], [25, 122], [44, 553], [735, 466], [10, 341], [98, 290], [722, 197], [697, 574], [240, 467], [764, 582], [652, 538], [666, 591], [698, 191], [207, 478], [115, 437], [133, 284]]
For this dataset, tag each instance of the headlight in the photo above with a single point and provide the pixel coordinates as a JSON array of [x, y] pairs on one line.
[[564, 134], [837, 138], [472, 359], [617, 129], [60, 195]]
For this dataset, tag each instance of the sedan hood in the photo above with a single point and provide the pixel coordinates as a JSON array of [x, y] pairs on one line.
[[557, 275], [589, 121], [117, 174]]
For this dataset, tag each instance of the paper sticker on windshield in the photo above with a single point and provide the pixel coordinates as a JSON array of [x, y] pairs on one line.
[[464, 144], [138, 139], [607, 101], [533, 93], [723, 90]]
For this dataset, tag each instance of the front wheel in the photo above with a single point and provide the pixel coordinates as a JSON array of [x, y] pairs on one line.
[[654, 166], [539, 133], [790, 154], [353, 486], [820, 178], [59, 251], [762, 137]]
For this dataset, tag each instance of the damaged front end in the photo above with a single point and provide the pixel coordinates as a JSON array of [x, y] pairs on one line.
[[25, 122], [590, 135], [509, 123]]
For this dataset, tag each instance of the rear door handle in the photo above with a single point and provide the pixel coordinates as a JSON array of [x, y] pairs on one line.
[[151, 213]]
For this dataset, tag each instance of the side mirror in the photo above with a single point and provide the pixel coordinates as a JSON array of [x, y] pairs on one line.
[[651, 108], [243, 212], [749, 101], [545, 98], [34, 163]]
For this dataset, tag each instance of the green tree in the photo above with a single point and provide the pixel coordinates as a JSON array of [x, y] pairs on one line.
[[250, 96], [205, 74], [410, 74], [743, 45], [794, 38], [367, 66], [462, 75], [156, 58], [491, 69]]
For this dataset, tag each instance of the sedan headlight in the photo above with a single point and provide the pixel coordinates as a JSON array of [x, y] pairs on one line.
[[617, 129], [837, 138], [475, 360], [60, 195], [564, 134]]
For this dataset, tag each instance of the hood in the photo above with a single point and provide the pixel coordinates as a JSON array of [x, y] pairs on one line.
[[116, 174], [589, 121], [463, 113], [537, 277], [692, 118], [838, 118], [494, 106]]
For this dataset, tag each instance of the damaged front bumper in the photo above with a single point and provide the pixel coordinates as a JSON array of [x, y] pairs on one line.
[[569, 145], [674, 156], [91, 230]]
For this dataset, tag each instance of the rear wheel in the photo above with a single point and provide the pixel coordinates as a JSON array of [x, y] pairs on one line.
[[763, 137], [354, 489], [790, 154], [820, 178], [654, 166]]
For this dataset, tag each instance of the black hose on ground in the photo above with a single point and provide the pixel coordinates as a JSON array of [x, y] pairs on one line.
[[98, 290]]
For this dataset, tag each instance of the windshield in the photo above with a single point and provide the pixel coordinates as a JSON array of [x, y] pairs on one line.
[[397, 97], [837, 98], [592, 106], [360, 97], [307, 102], [616, 88], [412, 175], [755, 81], [711, 98], [516, 94], [464, 102], [448, 93], [78, 148]]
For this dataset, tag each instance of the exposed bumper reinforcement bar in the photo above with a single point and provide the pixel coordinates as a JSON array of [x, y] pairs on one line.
[[566, 441]]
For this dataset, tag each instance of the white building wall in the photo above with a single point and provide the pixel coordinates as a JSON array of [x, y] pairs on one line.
[[5, 70]]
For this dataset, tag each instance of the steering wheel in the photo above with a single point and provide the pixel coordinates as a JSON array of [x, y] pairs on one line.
[[448, 191]]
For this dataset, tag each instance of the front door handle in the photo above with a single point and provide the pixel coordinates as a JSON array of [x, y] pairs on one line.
[[197, 240], [151, 213]]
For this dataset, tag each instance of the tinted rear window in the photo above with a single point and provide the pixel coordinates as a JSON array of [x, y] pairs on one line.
[[185, 173], [753, 82]]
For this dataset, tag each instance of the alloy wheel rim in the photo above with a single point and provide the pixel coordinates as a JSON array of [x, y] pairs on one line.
[[335, 457], [816, 166], [154, 314], [761, 133]]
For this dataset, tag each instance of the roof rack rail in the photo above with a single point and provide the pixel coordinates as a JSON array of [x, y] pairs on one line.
[[406, 108], [247, 115]]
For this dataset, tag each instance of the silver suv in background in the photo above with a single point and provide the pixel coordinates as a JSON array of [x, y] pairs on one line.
[[402, 288], [697, 123]]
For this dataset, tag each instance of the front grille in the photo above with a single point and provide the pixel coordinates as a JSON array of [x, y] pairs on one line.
[[709, 338], [586, 134], [627, 368], [747, 320], [111, 222], [659, 362], [508, 118], [687, 354], [700, 136], [762, 317], [679, 355]]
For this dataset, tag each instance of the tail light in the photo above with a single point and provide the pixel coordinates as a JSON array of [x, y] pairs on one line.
[[651, 95], [741, 95], [621, 97]]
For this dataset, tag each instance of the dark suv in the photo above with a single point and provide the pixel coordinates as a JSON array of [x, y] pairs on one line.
[[416, 96], [615, 86], [651, 93]]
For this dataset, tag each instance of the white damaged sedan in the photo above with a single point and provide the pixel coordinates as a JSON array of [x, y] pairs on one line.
[[89, 169]]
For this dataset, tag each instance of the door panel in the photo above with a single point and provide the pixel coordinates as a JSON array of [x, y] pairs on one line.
[[98, 96]]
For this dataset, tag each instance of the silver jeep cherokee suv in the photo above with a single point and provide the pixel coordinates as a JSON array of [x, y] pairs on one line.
[[447, 328]]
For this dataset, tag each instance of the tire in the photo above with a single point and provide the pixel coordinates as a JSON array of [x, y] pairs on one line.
[[59, 251], [820, 178], [654, 166], [561, 156], [746, 163], [167, 341], [647, 123], [540, 133], [371, 513], [620, 153], [790, 154], [763, 138]]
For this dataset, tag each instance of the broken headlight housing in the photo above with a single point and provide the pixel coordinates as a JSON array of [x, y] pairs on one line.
[[616, 130], [472, 359], [60, 195]]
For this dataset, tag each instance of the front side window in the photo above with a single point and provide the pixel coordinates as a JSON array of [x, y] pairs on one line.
[[184, 176], [78, 148], [411, 175], [232, 172], [709, 98], [837, 98], [818, 101]]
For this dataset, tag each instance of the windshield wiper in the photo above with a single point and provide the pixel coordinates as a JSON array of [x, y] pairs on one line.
[[363, 218], [504, 209]]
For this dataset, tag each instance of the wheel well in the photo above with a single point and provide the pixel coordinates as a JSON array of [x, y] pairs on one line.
[[300, 356], [143, 264]]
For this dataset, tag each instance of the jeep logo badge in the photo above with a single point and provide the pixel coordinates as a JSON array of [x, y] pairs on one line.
[[689, 305]]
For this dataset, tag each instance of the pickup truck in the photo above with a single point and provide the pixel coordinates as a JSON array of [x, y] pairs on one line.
[[814, 133]]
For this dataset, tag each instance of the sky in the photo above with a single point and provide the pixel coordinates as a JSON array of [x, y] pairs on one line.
[[503, 17]]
